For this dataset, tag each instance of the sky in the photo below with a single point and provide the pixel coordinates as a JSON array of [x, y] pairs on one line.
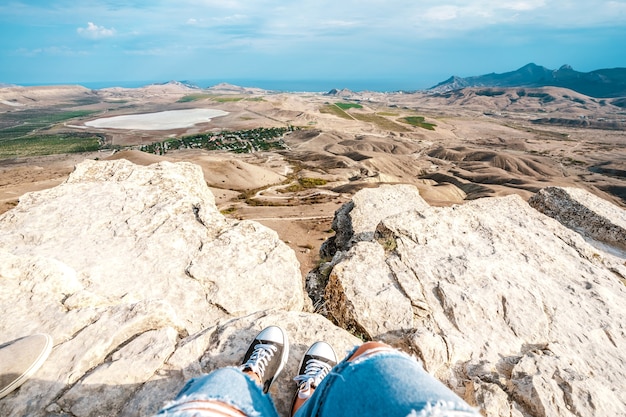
[[408, 44]]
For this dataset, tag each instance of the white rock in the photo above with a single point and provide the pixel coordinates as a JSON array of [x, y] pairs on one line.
[[362, 296], [117, 264], [583, 212], [357, 220], [500, 294]]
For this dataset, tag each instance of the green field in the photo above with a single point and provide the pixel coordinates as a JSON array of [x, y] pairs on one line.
[[24, 133], [418, 121], [380, 121], [21, 123], [194, 97], [36, 145], [346, 106], [339, 110], [336, 111]]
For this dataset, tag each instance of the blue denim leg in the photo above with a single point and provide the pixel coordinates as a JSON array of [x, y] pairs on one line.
[[389, 384], [227, 385]]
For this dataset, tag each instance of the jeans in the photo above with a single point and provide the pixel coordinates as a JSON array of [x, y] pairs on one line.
[[389, 383]]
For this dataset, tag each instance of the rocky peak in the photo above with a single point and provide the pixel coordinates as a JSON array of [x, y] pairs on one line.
[[344, 92], [600, 83]]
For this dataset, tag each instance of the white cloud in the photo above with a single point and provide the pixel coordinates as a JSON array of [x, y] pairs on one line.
[[442, 13], [523, 5], [93, 31]]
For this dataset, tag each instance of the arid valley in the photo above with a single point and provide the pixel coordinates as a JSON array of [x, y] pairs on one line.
[[456, 146]]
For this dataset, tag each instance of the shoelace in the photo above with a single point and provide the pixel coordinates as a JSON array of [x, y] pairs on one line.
[[314, 372], [260, 357]]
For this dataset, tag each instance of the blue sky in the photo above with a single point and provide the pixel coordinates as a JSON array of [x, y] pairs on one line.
[[409, 43]]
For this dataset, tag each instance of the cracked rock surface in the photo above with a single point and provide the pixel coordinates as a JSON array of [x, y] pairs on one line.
[[143, 284], [583, 212], [136, 275], [517, 313]]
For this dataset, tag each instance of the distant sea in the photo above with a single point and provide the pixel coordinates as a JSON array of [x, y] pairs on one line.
[[274, 85]]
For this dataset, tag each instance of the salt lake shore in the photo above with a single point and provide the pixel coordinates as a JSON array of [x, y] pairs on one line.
[[164, 120]]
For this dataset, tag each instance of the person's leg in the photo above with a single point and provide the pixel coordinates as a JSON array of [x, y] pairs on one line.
[[236, 391], [228, 391], [316, 363], [377, 379]]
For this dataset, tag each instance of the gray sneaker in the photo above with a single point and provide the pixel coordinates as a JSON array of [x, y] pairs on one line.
[[267, 355], [317, 362]]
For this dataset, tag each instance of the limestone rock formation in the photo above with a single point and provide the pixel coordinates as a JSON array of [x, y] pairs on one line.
[[142, 283], [583, 212], [517, 313], [356, 220]]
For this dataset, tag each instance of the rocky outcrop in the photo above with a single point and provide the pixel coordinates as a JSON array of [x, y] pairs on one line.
[[356, 220], [583, 212], [142, 283], [518, 314]]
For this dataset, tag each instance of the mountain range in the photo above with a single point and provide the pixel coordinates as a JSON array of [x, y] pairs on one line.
[[602, 83]]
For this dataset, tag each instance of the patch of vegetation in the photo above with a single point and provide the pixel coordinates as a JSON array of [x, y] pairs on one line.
[[87, 100], [489, 93], [312, 182], [380, 121], [544, 97], [303, 184], [419, 121], [388, 243], [17, 124], [255, 99], [49, 144], [336, 111], [227, 99], [346, 106], [194, 97], [253, 202], [229, 210], [23, 133], [241, 141]]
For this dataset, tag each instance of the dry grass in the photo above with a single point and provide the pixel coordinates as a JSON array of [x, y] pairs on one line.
[[335, 111], [380, 121]]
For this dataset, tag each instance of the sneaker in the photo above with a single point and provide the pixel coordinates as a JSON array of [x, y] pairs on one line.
[[317, 362], [267, 355]]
